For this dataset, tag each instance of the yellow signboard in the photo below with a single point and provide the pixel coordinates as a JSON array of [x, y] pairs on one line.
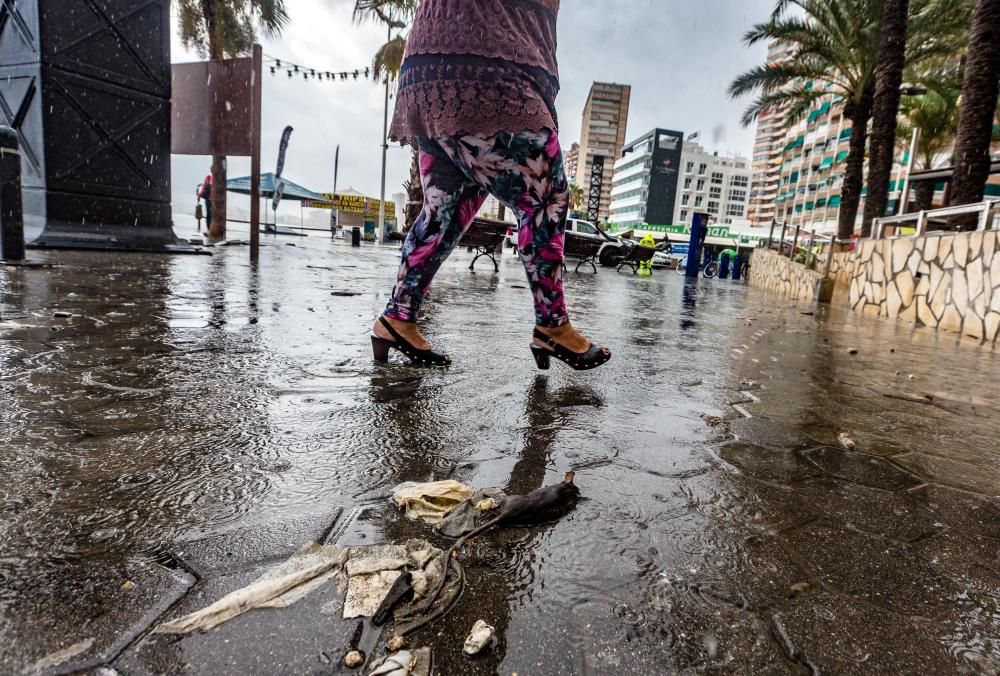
[[356, 204]]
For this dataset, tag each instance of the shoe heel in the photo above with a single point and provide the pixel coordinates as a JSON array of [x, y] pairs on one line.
[[541, 357], [380, 348]]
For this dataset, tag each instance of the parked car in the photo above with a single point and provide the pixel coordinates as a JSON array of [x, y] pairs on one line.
[[612, 248]]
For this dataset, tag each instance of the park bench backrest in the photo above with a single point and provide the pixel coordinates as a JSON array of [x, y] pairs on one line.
[[580, 246], [484, 232]]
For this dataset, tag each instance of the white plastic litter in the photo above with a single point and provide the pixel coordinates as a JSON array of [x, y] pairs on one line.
[[482, 635]]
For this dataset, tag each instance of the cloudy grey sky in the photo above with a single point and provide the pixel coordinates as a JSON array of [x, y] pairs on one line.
[[678, 55]]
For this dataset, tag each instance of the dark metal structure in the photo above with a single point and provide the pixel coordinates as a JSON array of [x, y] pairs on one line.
[[596, 184], [86, 83]]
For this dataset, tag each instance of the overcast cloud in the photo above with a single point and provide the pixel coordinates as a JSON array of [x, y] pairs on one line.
[[678, 55]]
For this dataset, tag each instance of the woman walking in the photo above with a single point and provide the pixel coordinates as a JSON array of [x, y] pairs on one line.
[[477, 99]]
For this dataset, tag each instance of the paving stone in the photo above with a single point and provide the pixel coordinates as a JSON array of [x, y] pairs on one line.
[[834, 634], [665, 630], [87, 611], [775, 465], [895, 515], [973, 561], [760, 507], [889, 574], [250, 546], [959, 511], [861, 468], [770, 433], [979, 478]]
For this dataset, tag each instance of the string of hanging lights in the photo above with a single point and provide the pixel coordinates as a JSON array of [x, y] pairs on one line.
[[295, 70]]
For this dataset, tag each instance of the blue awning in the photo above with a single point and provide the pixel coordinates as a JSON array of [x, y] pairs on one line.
[[293, 191]]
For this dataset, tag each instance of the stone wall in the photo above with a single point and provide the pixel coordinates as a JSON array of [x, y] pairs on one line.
[[841, 273], [776, 273], [946, 281]]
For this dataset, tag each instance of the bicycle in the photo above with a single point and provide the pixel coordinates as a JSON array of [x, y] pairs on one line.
[[709, 268]]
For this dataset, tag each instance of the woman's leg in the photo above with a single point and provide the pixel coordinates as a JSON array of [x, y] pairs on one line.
[[525, 171], [451, 202]]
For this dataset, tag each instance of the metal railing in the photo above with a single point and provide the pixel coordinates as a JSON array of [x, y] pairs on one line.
[[802, 242], [988, 213]]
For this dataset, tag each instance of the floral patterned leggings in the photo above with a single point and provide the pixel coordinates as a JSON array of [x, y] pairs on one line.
[[525, 172]]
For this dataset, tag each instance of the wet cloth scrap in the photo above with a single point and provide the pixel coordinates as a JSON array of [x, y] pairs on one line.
[[366, 573], [404, 663], [452, 507], [281, 586], [430, 502], [371, 572]]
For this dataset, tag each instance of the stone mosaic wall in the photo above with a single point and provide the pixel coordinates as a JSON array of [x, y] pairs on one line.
[[947, 281], [776, 273], [841, 273]]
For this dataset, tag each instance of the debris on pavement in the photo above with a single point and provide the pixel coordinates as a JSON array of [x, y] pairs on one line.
[[59, 657], [852, 350], [284, 584], [404, 663], [354, 659], [469, 515], [799, 588], [846, 441], [396, 643], [481, 636], [372, 574], [430, 502]]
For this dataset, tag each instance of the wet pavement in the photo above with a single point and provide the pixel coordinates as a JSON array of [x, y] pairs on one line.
[[194, 422]]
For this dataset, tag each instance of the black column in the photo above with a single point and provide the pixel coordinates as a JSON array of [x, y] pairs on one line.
[[86, 83]]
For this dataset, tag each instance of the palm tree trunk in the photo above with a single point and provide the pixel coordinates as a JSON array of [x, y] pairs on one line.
[[923, 195], [888, 79], [859, 113], [414, 194], [217, 228], [979, 101]]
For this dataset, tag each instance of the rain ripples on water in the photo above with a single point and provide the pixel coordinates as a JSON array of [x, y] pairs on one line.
[[160, 412]]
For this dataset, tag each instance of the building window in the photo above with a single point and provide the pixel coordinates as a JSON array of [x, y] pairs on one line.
[[739, 181], [737, 195], [713, 207], [697, 201], [684, 215], [715, 191], [687, 183], [716, 178], [734, 210], [686, 200], [701, 185], [702, 168], [690, 167]]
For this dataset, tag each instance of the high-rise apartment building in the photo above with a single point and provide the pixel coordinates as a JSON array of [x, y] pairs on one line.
[[767, 153], [661, 179], [571, 159], [602, 136]]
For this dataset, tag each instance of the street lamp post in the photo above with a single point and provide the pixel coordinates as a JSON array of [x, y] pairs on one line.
[[385, 151]]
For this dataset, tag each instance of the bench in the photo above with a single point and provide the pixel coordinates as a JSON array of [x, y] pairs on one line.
[[484, 236], [583, 248], [636, 256]]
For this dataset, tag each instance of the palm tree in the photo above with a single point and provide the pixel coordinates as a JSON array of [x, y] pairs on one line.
[[885, 108], [396, 15], [834, 43], [934, 115], [575, 198], [219, 29], [980, 90]]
